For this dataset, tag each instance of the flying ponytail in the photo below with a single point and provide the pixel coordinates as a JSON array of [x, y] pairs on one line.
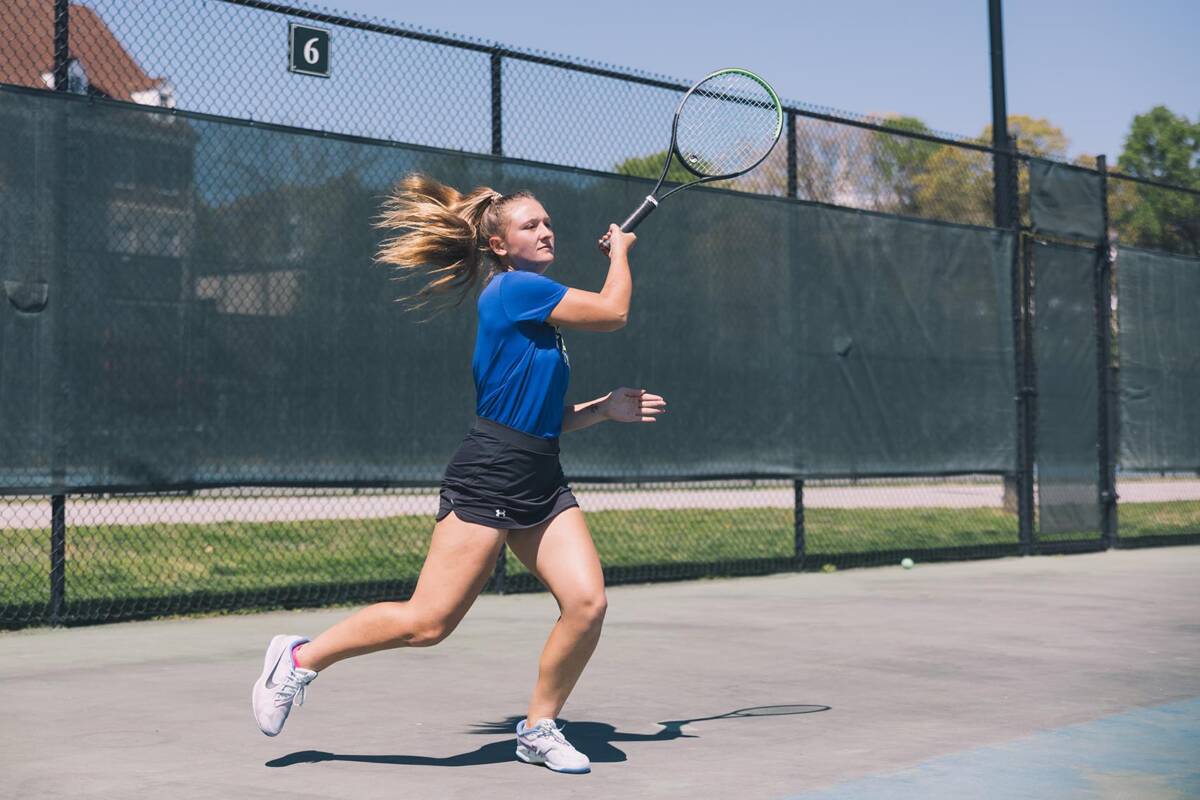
[[443, 235]]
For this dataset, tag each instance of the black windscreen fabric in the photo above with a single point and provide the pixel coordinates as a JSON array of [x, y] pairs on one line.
[[32, 180], [1064, 201], [1067, 410], [905, 345], [221, 322], [1159, 339]]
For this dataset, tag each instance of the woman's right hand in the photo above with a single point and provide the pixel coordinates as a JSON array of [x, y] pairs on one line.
[[616, 241]]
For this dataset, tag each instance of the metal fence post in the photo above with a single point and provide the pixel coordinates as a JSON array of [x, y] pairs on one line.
[[497, 106], [1022, 290], [62, 46], [58, 557], [58, 502], [790, 120], [1020, 318], [797, 483], [1003, 165], [1108, 491], [798, 504]]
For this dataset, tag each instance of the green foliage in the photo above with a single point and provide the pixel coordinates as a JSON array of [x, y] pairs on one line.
[[898, 162], [1160, 146], [651, 167], [1164, 147], [957, 183], [1039, 137]]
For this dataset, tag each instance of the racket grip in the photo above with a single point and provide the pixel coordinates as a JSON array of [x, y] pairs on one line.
[[643, 211]]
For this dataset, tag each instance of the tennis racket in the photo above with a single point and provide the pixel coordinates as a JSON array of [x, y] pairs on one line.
[[724, 126]]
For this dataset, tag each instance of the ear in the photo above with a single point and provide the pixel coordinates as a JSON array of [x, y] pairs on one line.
[[497, 245]]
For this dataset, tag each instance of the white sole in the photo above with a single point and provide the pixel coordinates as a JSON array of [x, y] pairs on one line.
[[537, 760], [268, 667]]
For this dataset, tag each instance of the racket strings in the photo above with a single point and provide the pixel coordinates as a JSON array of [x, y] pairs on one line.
[[728, 124]]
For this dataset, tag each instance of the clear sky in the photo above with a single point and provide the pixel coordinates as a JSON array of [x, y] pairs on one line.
[[1086, 65]]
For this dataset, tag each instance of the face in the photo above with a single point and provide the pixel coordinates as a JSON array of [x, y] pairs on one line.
[[528, 241]]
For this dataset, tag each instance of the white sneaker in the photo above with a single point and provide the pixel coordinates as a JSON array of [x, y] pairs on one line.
[[545, 744], [280, 685]]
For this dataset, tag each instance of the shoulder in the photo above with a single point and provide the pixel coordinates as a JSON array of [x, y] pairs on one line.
[[527, 295], [522, 286], [489, 288], [520, 279]]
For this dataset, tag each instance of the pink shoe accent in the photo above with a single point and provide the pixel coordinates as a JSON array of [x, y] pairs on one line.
[[296, 647]]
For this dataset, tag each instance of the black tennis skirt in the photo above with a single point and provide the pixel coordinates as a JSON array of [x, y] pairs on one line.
[[504, 478]]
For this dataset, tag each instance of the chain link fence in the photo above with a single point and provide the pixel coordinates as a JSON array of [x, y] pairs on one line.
[[227, 249], [1154, 216]]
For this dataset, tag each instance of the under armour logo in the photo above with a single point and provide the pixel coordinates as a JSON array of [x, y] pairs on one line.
[[500, 512]]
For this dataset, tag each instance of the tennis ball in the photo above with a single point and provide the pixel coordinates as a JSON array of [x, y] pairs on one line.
[[829, 568], [907, 563]]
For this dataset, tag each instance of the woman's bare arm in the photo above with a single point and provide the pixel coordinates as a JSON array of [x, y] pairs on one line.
[[582, 415], [623, 404], [608, 309]]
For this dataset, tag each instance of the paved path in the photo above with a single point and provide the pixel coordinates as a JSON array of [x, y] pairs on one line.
[[145, 511], [1052, 677]]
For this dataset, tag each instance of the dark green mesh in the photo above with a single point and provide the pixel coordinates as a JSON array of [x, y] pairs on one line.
[[1159, 343], [1065, 353], [1065, 201], [187, 300], [904, 346], [222, 322]]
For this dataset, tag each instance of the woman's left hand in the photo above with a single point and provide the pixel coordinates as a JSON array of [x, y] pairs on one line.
[[633, 405]]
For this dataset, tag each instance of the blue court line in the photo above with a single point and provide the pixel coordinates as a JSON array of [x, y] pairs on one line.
[[1147, 754]]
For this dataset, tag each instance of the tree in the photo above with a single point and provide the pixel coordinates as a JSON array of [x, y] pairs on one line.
[[1163, 147], [1038, 137], [957, 182], [1160, 146], [898, 161], [826, 153], [651, 167]]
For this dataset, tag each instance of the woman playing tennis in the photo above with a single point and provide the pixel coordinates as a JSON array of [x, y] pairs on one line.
[[504, 484]]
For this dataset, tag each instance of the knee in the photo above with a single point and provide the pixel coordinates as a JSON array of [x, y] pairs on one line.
[[588, 611], [429, 633]]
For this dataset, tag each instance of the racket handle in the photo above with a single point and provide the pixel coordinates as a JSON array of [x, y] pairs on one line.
[[635, 219]]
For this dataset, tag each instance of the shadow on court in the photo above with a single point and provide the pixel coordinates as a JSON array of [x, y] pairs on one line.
[[1071, 676], [593, 739]]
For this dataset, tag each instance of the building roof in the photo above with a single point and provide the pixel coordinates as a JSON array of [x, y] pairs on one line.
[[27, 30]]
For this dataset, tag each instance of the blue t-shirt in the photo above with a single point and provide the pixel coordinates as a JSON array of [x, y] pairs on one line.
[[520, 365]]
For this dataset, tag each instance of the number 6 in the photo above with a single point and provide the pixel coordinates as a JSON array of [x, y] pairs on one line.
[[311, 55]]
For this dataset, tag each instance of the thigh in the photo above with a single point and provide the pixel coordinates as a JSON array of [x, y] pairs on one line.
[[461, 558], [561, 555]]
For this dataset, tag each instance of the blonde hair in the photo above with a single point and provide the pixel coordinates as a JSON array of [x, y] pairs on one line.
[[443, 237]]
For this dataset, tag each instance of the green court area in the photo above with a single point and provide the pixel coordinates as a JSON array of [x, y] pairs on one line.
[[128, 561]]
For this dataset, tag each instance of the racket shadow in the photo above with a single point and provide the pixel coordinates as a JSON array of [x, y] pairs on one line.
[[592, 738], [755, 711]]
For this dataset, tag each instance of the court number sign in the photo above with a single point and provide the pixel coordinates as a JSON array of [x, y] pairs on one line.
[[308, 50]]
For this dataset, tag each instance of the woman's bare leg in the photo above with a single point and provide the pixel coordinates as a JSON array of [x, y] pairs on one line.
[[461, 558], [562, 556]]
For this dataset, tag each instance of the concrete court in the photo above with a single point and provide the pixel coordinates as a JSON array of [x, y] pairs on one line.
[[1044, 677]]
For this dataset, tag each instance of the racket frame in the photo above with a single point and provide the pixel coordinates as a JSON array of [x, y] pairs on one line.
[[652, 200]]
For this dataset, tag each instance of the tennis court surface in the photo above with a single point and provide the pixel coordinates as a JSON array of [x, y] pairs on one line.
[[1044, 677]]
